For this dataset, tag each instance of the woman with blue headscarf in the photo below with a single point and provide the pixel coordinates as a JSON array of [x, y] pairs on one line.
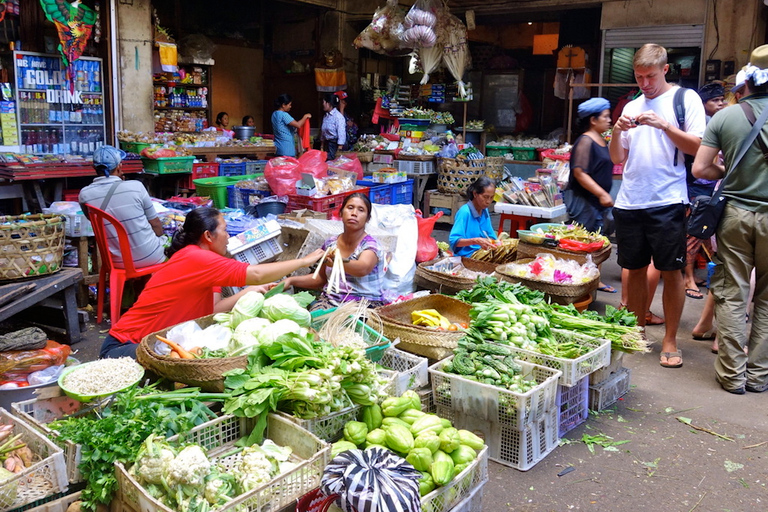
[[588, 195]]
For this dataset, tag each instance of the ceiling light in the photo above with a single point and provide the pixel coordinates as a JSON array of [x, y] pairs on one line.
[[530, 23]]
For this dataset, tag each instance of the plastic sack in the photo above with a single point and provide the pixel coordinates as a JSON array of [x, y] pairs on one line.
[[20, 363], [282, 173], [374, 480], [313, 162], [50, 374], [448, 151], [399, 220], [426, 246], [345, 163], [383, 34], [190, 335]]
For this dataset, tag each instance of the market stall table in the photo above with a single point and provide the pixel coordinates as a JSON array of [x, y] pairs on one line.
[[523, 217], [25, 293], [211, 153]]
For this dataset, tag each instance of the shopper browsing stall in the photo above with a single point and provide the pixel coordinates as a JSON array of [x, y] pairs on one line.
[[284, 126], [184, 289], [352, 127], [222, 121], [128, 202], [362, 261], [472, 229], [333, 133]]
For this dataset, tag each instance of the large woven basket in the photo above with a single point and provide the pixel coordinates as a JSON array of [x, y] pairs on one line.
[[559, 293], [526, 250], [204, 373], [363, 157], [419, 340], [494, 167], [30, 245], [440, 282], [455, 175]]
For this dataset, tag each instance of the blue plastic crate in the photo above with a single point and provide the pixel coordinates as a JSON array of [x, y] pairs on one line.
[[232, 169], [247, 193], [380, 193], [402, 193], [234, 198], [255, 166]]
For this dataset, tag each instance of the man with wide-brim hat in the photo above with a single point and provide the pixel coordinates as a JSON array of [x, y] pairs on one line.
[[742, 234]]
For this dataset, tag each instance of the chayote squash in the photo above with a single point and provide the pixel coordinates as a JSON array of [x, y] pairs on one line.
[[355, 432], [449, 440], [410, 415], [420, 458], [371, 416], [441, 468], [469, 439], [399, 439], [341, 446], [427, 439], [376, 436], [415, 399]]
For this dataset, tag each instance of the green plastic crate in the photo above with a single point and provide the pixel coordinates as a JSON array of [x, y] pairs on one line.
[[377, 343], [216, 187], [524, 154], [497, 150], [135, 147], [176, 164]]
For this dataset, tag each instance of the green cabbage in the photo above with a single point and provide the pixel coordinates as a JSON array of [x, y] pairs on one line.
[[278, 331], [247, 334], [247, 306], [282, 306]]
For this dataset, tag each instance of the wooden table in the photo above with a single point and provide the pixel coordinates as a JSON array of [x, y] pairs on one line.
[[419, 186], [211, 153], [38, 290]]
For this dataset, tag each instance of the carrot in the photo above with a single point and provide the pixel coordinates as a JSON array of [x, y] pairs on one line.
[[174, 355], [184, 354]]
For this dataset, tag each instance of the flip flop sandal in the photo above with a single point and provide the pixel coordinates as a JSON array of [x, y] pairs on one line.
[[670, 355], [693, 293], [607, 289], [651, 319], [704, 336]]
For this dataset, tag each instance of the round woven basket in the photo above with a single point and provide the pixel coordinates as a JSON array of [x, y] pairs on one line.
[[560, 293], [363, 157], [455, 175], [204, 373], [30, 245], [420, 340], [494, 167], [440, 282], [526, 250]]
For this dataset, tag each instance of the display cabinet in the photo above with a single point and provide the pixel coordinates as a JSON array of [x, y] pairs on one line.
[[182, 99]]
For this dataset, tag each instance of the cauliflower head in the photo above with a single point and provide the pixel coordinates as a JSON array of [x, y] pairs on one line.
[[190, 467], [254, 469], [153, 460]]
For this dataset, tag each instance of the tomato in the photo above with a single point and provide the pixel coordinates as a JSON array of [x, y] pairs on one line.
[[464, 325], [453, 327]]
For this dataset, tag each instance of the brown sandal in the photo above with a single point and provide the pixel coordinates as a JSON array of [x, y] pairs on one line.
[[651, 319]]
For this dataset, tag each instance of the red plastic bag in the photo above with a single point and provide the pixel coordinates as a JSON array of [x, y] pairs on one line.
[[348, 164], [576, 246], [426, 246], [282, 173], [17, 363], [313, 162]]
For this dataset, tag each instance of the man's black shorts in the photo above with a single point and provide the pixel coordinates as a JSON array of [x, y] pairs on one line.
[[657, 233]]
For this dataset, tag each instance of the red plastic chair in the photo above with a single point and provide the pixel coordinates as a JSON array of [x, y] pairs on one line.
[[117, 276]]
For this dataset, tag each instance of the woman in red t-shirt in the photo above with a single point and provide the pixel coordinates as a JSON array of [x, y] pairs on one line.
[[183, 289]]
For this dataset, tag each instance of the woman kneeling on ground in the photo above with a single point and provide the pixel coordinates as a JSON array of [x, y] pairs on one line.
[[363, 261], [472, 229], [187, 286]]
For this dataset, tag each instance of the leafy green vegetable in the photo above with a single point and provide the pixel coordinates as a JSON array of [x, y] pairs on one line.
[[247, 306], [284, 306]]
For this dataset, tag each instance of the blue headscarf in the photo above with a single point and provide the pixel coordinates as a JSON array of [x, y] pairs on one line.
[[593, 106]]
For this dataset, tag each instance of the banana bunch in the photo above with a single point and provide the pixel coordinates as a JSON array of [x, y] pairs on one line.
[[430, 318]]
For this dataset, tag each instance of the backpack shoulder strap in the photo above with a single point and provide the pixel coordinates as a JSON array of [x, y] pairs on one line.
[[679, 105], [750, 113]]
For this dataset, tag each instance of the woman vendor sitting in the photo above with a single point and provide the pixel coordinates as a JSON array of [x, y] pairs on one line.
[[472, 229], [362, 257], [184, 288]]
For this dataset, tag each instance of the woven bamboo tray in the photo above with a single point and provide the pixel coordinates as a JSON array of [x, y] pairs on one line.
[[454, 176], [526, 250], [559, 293], [31, 245], [439, 282], [363, 156], [204, 373], [419, 340]]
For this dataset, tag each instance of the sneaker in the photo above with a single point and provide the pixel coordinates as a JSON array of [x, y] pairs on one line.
[[756, 389]]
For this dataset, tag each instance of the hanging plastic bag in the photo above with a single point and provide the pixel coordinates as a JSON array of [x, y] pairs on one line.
[[282, 173], [426, 246], [345, 163], [383, 34], [419, 25], [313, 162], [456, 55]]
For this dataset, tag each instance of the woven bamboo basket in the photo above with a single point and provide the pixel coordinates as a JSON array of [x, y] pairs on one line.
[[204, 373], [455, 175], [416, 158], [559, 293], [420, 340], [494, 167], [30, 245], [526, 250], [440, 282], [363, 157]]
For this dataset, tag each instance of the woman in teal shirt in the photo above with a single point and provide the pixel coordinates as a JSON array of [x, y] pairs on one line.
[[472, 229], [284, 126]]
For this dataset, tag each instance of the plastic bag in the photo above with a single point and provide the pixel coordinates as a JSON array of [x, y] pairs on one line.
[[448, 151], [426, 246], [50, 374], [20, 363], [282, 173], [383, 34], [190, 335], [313, 162], [348, 164]]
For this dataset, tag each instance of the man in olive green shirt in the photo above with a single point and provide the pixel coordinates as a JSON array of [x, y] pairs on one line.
[[742, 235]]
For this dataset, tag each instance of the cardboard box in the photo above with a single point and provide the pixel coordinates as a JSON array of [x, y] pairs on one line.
[[389, 176], [449, 204], [383, 159]]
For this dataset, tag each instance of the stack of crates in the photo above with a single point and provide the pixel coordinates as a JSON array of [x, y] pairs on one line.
[[449, 204], [520, 429], [609, 383]]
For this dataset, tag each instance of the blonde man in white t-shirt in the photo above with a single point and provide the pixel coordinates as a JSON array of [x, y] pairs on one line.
[[650, 207]]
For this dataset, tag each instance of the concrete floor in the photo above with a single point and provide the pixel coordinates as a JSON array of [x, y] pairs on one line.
[[666, 465]]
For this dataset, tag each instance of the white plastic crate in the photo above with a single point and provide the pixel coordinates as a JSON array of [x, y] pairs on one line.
[[38, 412], [598, 376], [416, 166], [427, 401], [531, 211], [609, 391], [412, 371], [44, 478], [517, 448], [218, 437], [57, 503], [572, 404], [329, 428], [573, 370], [472, 503], [495, 404], [259, 252], [444, 498]]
